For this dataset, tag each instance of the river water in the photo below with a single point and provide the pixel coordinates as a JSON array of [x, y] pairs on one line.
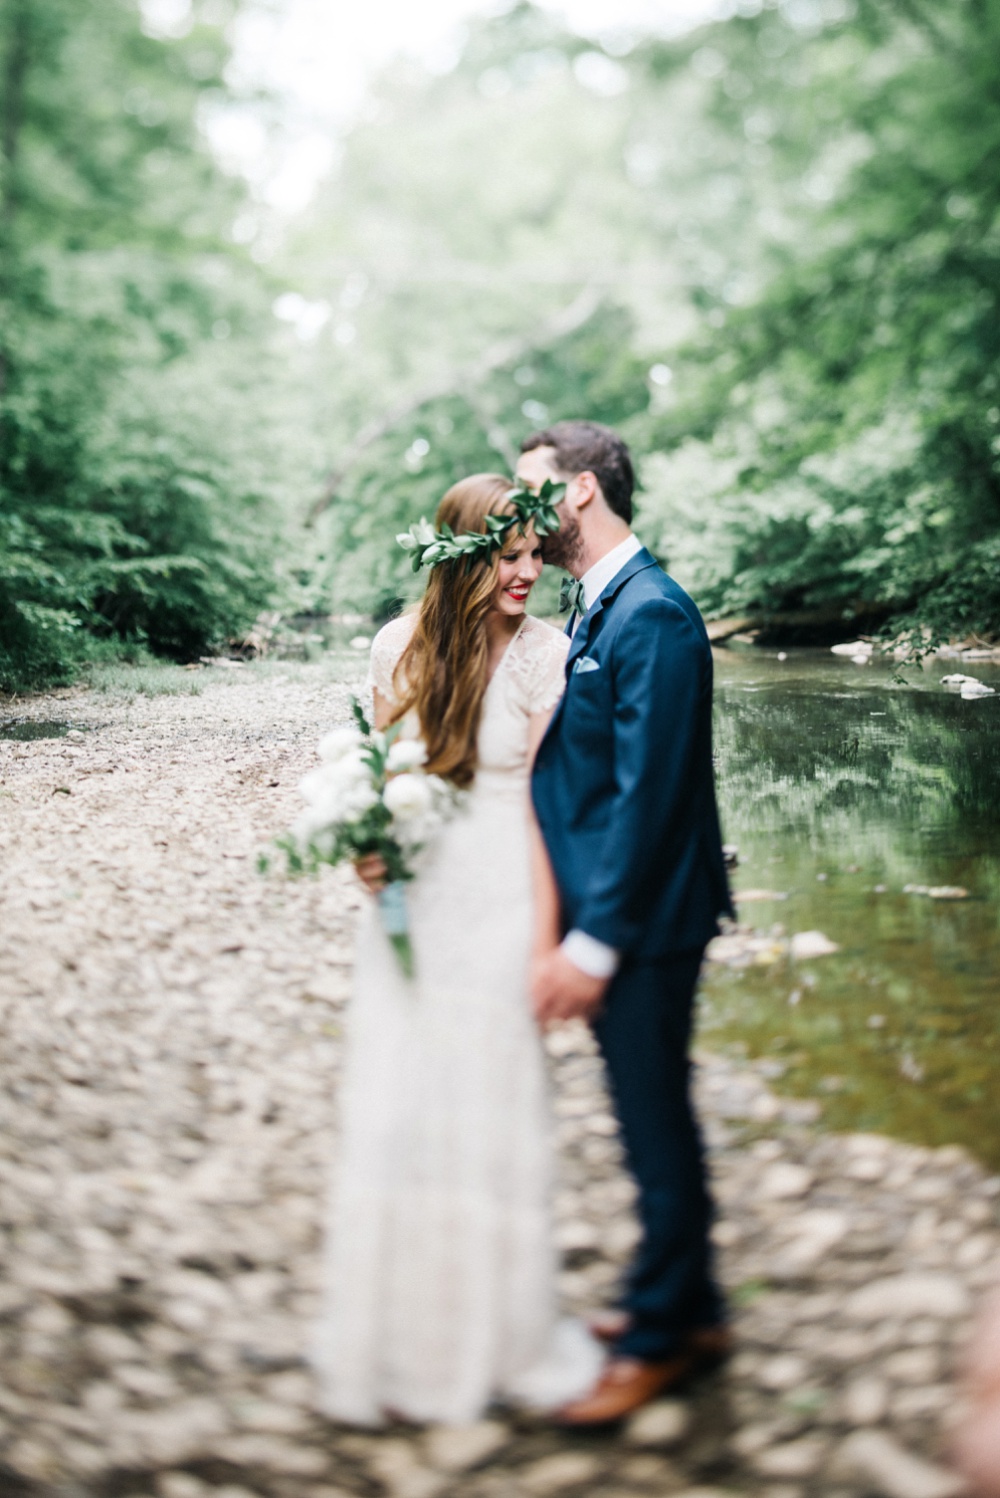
[[841, 788]]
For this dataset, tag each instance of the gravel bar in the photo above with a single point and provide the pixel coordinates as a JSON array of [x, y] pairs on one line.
[[171, 1037]]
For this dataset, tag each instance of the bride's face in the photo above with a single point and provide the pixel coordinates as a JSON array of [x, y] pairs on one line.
[[519, 570]]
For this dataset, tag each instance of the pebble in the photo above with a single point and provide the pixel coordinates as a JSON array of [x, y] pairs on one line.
[[895, 1473], [180, 1485], [938, 1295], [914, 1365], [812, 1235], [784, 1182], [706, 1493], [663, 1423], [784, 1372], [273, 1454], [792, 1459], [457, 1448], [173, 1031], [654, 1470], [397, 1464], [865, 1400], [565, 1469]]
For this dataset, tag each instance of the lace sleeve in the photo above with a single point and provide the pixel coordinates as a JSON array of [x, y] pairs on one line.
[[387, 647], [539, 665]]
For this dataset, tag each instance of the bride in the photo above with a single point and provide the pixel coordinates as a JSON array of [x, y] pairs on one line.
[[439, 1282]]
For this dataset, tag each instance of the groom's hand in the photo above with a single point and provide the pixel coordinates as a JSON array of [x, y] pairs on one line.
[[562, 991]]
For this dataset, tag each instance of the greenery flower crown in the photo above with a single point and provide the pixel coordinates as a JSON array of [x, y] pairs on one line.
[[430, 548]]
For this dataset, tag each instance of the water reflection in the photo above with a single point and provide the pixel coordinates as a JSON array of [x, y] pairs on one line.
[[841, 789], [26, 729]]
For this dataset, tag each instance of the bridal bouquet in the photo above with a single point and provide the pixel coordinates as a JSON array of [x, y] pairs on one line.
[[370, 794]]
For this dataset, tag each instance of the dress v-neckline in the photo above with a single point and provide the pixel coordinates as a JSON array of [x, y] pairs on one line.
[[507, 650]]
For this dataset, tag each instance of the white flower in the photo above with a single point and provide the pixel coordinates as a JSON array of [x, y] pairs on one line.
[[361, 800], [311, 830], [406, 754], [339, 790], [338, 743], [330, 778], [408, 797]]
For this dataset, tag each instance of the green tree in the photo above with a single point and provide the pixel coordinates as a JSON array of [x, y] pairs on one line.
[[130, 507], [834, 445], [474, 247], [788, 217]]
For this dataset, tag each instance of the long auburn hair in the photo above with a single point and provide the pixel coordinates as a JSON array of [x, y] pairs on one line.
[[442, 672]]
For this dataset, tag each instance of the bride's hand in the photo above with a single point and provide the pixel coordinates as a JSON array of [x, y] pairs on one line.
[[561, 991], [372, 872]]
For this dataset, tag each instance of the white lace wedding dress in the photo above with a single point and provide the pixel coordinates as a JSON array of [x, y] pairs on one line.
[[439, 1274]]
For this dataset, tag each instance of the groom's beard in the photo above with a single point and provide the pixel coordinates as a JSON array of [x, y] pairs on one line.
[[565, 546]]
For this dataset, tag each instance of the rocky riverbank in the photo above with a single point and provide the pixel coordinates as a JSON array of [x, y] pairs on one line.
[[171, 1028]]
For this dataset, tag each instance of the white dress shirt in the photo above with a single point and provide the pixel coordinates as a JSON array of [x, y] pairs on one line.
[[593, 957], [596, 578]]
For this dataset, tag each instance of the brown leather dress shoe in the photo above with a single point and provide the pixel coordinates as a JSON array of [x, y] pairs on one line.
[[710, 1347], [625, 1385]]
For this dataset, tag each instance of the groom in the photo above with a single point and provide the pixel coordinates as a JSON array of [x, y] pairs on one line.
[[624, 792]]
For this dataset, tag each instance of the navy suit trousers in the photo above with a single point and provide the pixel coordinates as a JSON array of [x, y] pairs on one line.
[[643, 1032]]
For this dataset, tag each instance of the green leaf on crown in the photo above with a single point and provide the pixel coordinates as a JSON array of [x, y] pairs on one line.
[[429, 548]]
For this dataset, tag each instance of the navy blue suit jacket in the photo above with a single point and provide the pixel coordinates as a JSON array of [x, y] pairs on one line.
[[623, 783]]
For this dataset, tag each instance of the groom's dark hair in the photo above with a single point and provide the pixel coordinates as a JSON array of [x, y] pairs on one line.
[[587, 447]]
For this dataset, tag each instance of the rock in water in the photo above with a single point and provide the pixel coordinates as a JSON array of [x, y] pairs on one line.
[[969, 686], [937, 891], [805, 945]]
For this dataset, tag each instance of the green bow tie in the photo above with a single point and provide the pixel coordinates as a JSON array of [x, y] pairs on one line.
[[571, 597]]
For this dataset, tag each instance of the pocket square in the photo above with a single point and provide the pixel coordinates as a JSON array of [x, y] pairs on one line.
[[585, 663]]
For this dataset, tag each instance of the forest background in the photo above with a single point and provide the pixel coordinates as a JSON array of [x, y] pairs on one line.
[[767, 250]]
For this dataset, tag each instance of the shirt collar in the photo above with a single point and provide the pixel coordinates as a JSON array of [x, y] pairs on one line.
[[596, 579]]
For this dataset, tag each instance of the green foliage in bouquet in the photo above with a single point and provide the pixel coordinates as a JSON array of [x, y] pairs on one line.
[[370, 796], [366, 834]]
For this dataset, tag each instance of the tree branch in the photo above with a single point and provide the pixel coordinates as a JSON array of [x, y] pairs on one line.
[[579, 311]]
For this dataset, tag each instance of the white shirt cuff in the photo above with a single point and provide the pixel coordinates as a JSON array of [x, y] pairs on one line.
[[591, 956]]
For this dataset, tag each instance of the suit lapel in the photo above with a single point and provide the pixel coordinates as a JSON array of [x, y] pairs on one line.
[[578, 645], [637, 563], [579, 640]]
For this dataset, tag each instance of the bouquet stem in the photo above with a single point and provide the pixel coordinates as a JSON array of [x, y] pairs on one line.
[[395, 923]]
